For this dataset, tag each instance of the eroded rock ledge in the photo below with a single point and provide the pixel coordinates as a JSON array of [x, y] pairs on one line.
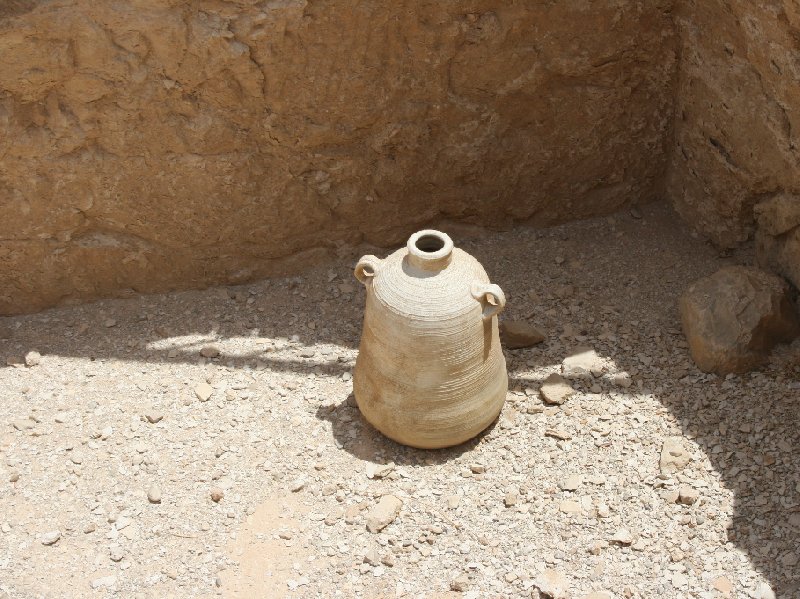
[[157, 144]]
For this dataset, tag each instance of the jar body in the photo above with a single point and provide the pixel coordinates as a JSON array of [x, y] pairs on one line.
[[430, 371]]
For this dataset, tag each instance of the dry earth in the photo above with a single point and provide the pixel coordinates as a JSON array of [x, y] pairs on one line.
[[110, 458]]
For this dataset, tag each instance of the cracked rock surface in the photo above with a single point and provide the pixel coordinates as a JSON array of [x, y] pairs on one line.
[[155, 145]]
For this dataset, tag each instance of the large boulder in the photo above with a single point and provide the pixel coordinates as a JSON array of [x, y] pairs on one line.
[[778, 236], [733, 318]]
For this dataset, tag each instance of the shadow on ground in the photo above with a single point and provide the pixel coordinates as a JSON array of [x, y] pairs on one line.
[[626, 274]]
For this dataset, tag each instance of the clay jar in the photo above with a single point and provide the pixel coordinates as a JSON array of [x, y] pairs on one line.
[[430, 371]]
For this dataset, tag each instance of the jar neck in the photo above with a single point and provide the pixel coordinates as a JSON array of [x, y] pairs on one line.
[[430, 250]]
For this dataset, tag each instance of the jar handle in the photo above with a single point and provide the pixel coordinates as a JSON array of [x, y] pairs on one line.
[[491, 297], [366, 268]]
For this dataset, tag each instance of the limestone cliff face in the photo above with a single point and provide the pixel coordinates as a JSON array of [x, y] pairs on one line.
[[737, 116], [154, 144]]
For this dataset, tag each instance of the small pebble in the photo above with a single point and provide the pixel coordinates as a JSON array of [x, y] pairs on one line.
[[209, 351], [33, 358], [50, 538], [154, 494]]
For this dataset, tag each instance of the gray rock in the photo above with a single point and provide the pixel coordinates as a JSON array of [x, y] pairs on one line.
[[383, 513], [582, 364], [733, 318]]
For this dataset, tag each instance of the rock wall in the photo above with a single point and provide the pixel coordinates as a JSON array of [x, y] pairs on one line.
[[155, 144], [737, 113]]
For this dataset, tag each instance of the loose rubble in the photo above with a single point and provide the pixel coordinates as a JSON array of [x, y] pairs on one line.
[[653, 479]]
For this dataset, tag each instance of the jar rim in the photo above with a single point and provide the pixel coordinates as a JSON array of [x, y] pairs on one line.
[[430, 245]]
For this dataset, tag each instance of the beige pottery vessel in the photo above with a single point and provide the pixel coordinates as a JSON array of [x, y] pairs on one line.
[[430, 370]]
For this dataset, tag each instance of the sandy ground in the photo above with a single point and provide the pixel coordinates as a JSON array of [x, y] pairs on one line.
[[112, 445]]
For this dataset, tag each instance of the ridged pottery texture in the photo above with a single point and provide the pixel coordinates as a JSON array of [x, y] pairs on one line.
[[430, 371]]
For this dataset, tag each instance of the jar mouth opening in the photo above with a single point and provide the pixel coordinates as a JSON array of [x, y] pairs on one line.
[[430, 245]]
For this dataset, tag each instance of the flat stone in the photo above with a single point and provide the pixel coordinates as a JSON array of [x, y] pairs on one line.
[[723, 585], [23, 424], [623, 537], [203, 391], [687, 495], [679, 580], [379, 470], [460, 584], [383, 513], [622, 379], [558, 433], [372, 557], [556, 390], [116, 554], [673, 456], [104, 582], [570, 507], [582, 364], [551, 584], [518, 334], [50, 538], [154, 416], [571, 483], [511, 498]]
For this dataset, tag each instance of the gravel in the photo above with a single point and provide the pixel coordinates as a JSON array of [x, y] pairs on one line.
[[652, 479]]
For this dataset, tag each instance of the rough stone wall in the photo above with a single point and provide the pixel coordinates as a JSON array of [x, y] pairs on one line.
[[737, 113], [154, 144]]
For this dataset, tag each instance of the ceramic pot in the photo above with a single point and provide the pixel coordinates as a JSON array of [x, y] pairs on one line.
[[430, 371]]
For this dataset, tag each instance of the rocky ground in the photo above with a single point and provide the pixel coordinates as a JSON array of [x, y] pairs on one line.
[[205, 444]]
